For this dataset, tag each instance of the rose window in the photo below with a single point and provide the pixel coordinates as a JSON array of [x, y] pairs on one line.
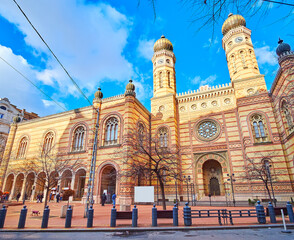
[[207, 130]]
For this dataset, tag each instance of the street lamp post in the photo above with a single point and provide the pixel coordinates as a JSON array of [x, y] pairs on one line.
[[232, 186], [267, 165], [188, 179]]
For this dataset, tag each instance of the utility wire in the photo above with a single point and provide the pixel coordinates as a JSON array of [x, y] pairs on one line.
[[282, 3], [73, 81], [33, 84]]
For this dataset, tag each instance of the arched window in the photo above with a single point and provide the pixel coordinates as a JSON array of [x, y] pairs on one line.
[[111, 131], [78, 139], [233, 61], [3, 108], [141, 131], [48, 143], [154, 82], [287, 117], [259, 130], [168, 78], [243, 59], [163, 137], [160, 80], [22, 147]]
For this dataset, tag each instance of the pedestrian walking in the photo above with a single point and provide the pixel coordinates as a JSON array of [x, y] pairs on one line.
[[41, 197], [50, 196], [113, 198], [103, 199]]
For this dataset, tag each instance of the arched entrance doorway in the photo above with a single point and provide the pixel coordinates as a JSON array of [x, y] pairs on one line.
[[66, 179], [40, 184], [79, 187], [213, 178], [18, 184], [108, 182], [9, 183], [29, 184]]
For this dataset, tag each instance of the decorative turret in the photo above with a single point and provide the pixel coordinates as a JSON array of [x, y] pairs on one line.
[[16, 119], [241, 59], [98, 98], [130, 89], [164, 81], [284, 51]]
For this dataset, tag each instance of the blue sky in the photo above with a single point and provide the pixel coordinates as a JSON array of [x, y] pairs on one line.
[[105, 43]]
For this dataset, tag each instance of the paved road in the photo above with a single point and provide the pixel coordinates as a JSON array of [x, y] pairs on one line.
[[238, 234]]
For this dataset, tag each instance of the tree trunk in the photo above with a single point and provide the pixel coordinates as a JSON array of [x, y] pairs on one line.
[[46, 197], [162, 193], [268, 192]]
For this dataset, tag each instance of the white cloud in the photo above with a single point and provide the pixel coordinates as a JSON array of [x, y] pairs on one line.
[[265, 55], [206, 81], [89, 40], [18, 90], [145, 48], [211, 42]]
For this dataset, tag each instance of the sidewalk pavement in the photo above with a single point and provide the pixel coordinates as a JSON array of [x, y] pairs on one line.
[[102, 218]]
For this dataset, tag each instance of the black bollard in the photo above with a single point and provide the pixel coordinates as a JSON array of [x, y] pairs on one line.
[[154, 216], [260, 213], [175, 215], [2, 216], [271, 212], [113, 217], [90, 217], [290, 212], [45, 218], [187, 215], [135, 217], [22, 217], [68, 217]]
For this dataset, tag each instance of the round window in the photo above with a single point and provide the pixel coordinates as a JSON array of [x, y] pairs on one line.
[[207, 130]]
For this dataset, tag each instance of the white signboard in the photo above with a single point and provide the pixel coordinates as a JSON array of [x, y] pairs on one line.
[[144, 194]]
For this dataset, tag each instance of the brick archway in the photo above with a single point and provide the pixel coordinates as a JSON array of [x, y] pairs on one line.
[[199, 176]]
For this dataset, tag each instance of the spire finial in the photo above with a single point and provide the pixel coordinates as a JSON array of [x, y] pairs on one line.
[[280, 41]]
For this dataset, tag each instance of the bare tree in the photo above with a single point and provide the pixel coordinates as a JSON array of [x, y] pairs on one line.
[[150, 157], [49, 166], [260, 170], [209, 13]]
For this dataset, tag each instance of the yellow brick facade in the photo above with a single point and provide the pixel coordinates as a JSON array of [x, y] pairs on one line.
[[215, 129]]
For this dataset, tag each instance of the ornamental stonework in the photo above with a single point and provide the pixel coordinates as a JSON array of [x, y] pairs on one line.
[[207, 130]]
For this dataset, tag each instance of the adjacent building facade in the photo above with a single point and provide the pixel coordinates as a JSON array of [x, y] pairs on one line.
[[216, 129]]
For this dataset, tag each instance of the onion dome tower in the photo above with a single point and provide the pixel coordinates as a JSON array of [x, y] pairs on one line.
[[241, 59], [98, 98], [284, 51], [130, 89], [163, 60]]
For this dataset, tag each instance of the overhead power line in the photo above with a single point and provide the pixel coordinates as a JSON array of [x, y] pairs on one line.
[[73, 81], [282, 3], [57, 103]]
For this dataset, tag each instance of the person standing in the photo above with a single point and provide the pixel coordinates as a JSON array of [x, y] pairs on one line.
[[17, 196], [103, 199], [113, 199], [41, 197], [57, 197]]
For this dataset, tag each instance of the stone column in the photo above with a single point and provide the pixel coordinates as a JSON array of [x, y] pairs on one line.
[[12, 189], [72, 185], [23, 188], [34, 189]]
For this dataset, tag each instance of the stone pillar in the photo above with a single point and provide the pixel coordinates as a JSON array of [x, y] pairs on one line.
[[34, 189], [72, 185], [12, 189], [126, 192], [23, 188]]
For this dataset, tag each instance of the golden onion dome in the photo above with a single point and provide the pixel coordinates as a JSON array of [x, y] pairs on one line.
[[233, 21], [163, 43], [130, 86], [98, 94]]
